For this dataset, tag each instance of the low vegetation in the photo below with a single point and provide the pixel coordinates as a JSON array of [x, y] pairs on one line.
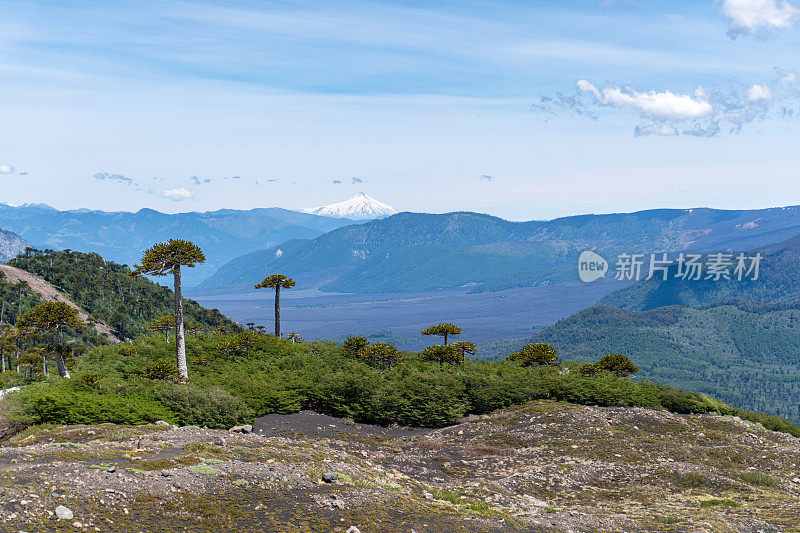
[[135, 383]]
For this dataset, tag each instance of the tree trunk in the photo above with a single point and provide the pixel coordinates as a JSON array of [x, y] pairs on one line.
[[445, 338], [180, 347], [278, 310], [62, 366]]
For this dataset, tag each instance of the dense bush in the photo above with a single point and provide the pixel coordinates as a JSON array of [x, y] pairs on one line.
[[277, 376]]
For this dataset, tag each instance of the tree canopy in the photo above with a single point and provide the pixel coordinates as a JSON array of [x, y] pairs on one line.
[[276, 280], [163, 258], [49, 316], [442, 330]]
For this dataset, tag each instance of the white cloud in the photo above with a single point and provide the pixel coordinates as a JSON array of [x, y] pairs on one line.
[[701, 113], [758, 93], [177, 195], [658, 106], [5, 168], [758, 17], [662, 130]]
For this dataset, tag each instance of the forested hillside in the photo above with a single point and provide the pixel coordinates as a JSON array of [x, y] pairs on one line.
[[107, 292], [11, 244], [741, 352]]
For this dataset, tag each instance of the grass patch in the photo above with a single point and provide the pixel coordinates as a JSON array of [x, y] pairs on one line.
[[758, 479], [719, 503], [203, 469]]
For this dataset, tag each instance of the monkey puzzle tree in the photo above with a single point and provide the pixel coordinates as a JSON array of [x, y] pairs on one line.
[[163, 323], [442, 330], [276, 281], [294, 337], [465, 347], [49, 317], [160, 260], [534, 354]]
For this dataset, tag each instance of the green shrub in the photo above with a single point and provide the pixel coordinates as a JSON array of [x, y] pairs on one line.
[[758, 479], [535, 354], [213, 407], [161, 370]]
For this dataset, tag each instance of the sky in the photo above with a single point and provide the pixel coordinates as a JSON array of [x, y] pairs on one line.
[[525, 110]]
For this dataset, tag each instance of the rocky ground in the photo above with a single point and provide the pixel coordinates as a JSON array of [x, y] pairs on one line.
[[540, 467]]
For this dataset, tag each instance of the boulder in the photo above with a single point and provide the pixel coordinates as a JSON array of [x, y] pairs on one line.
[[330, 477], [247, 428]]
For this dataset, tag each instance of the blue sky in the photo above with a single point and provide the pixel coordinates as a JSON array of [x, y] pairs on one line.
[[520, 109]]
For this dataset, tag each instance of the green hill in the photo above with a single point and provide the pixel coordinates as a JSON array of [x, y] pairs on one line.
[[745, 353], [107, 292]]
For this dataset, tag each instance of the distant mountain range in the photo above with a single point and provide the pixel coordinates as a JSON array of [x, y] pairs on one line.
[[11, 245], [122, 236], [412, 251], [359, 207]]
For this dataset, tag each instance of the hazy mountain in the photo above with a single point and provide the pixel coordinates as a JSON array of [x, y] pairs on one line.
[[359, 207], [422, 251], [11, 244], [777, 282], [122, 236]]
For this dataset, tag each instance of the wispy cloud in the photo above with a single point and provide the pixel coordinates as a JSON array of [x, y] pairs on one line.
[[107, 176], [486, 178], [336, 181], [358, 180], [700, 113], [5, 168], [758, 17]]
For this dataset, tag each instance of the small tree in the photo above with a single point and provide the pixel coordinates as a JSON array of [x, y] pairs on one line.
[[276, 281], [617, 364], [465, 347], [442, 330], [160, 260], [534, 354], [442, 353], [381, 354], [163, 323], [294, 337], [50, 317], [352, 346]]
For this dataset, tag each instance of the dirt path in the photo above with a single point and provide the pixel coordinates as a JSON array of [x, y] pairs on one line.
[[51, 294]]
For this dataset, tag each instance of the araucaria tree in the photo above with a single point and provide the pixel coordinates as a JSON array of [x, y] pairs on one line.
[[442, 330], [276, 281], [48, 318], [165, 258]]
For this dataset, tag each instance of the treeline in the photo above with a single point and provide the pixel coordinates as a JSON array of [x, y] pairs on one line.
[[107, 292]]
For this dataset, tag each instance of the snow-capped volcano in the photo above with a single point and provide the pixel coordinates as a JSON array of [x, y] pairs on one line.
[[359, 207]]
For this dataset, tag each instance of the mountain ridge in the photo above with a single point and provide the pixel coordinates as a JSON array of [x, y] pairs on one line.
[[518, 253]]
